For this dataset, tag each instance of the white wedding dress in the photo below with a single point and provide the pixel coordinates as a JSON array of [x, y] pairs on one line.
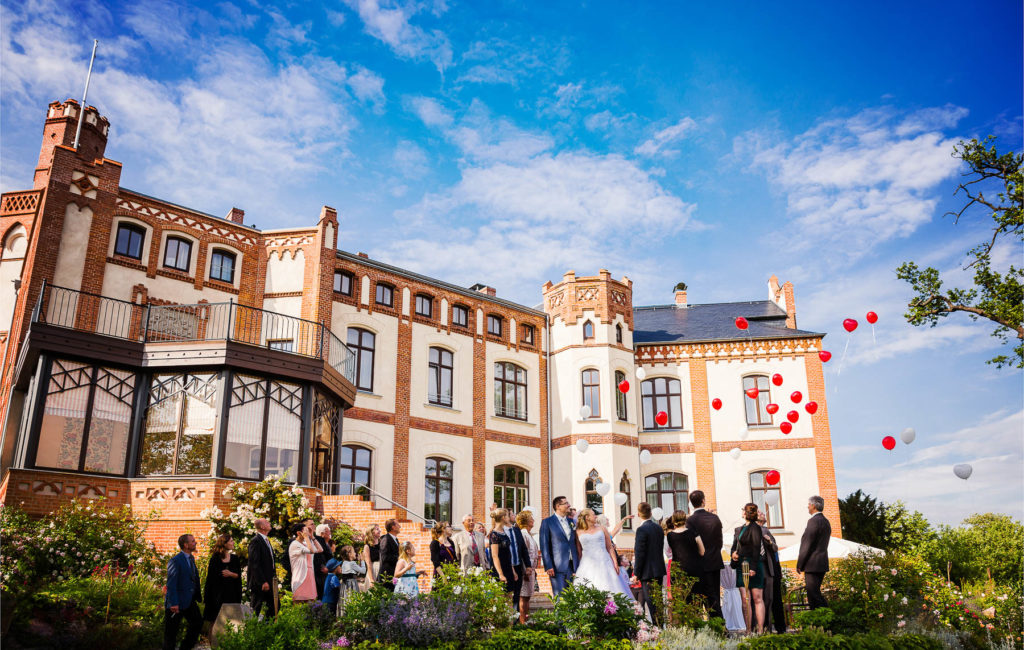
[[596, 568]]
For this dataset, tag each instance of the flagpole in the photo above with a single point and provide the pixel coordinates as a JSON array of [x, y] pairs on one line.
[[81, 114]]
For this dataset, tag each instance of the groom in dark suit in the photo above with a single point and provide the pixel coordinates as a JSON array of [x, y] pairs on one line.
[[708, 526], [389, 549], [261, 574], [649, 559], [813, 558], [558, 546]]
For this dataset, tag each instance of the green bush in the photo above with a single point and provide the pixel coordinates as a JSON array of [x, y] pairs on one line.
[[527, 639], [488, 604], [272, 499], [820, 618], [589, 613], [816, 639], [297, 627]]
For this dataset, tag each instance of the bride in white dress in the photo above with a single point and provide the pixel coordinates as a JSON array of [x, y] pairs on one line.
[[597, 556]]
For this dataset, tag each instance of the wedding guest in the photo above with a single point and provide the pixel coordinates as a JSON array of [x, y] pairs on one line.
[[558, 545], [300, 555], [406, 572], [648, 561], [320, 558], [470, 546], [746, 548], [183, 596], [352, 571], [708, 527], [389, 553], [531, 559], [687, 550], [774, 609], [371, 553], [223, 577], [572, 515], [501, 552], [442, 548], [517, 549], [333, 586], [480, 528], [813, 558], [262, 580]]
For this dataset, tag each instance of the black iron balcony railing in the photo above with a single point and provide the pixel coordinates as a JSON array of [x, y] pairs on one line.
[[222, 321]]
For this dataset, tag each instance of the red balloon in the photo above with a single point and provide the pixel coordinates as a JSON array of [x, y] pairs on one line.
[[824, 355], [872, 317], [811, 407], [889, 442], [661, 418], [849, 324], [793, 416], [772, 409], [797, 397], [716, 403], [786, 427], [777, 379], [772, 477], [742, 323], [624, 386], [751, 393]]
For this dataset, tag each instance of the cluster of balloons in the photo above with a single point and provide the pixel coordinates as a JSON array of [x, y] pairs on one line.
[[908, 436]]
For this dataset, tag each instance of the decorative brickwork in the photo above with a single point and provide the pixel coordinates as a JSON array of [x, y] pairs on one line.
[[605, 296]]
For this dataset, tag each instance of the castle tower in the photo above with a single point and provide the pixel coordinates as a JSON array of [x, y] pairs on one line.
[[591, 353]]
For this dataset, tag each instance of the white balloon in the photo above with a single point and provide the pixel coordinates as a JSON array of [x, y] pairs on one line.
[[582, 446], [963, 470], [641, 373], [620, 499], [603, 489], [735, 453], [645, 457], [772, 497], [657, 514], [908, 435], [585, 411]]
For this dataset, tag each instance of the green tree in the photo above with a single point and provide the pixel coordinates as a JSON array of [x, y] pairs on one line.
[[983, 543], [995, 296], [863, 519], [906, 530]]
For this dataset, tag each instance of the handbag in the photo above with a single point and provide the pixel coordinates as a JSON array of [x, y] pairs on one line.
[[737, 564]]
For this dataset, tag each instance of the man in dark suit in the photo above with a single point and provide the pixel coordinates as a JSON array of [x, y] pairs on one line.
[[517, 547], [774, 612], [709, 527], [649, 559], [558, 546], [389, 548], [262, 579], [319, 559], [813, 558], [183, 596]]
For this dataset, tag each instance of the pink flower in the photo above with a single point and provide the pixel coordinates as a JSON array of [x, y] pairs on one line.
[[894, 571], [901, 624], [611, 607], [342, 642]]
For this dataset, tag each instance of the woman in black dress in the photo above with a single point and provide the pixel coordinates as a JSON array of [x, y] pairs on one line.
[[746, 547], [371, 554], [223, 578], [687, 548], [501, 551], [442, 549]]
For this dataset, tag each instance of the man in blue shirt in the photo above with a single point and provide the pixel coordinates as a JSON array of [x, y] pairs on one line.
[[183, 596]]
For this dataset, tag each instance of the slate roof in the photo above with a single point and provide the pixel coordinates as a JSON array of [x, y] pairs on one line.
[[713, 322]]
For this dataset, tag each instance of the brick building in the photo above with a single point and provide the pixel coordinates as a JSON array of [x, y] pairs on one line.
[[152, 353]]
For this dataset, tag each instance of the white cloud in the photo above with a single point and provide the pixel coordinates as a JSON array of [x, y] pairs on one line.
[[163, 25], [430, 111], [390, 24], [500, 61], [411, 160], [368, 87], [659, 142]]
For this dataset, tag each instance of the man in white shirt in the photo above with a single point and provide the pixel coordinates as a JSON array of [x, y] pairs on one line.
[[470, 546]]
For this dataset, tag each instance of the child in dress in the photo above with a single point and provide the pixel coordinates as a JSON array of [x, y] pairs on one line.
[[332, 586], [406, 573], [351, 570]]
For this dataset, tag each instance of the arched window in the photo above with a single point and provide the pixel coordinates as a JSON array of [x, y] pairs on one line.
[[509, 390], [494, 325], [662, 394], [594, 500], [626, 507], [756, 413], [759, 489], [592, 391], [620, 397], [222, 266], [669, 491], [361, 342], [178, 253], [439, 377], [424, 305], [129, 240], [511, 487], [343, 282], [385, 295], [588, 331], [437, 503], [618, 333], [355, 468]]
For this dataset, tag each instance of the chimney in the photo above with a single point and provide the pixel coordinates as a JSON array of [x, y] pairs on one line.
[[363, 255], [680, 298], [484, 289], [236, 216]]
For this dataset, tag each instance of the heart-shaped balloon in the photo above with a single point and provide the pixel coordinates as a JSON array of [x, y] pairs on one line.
[[620, 499], [645, 456], [742, 323], [603, 488], [585, 411], [786, 428], [661, 418], [811, 407], [582, 446], [793, 416], [624, 386], [824, 355], [716, 404], [772, 408], [889, 442], [641, 374], [751, 393], [771, 498], [963, 470], [796, 396], [772, 477], [735, 453], [872, 317], [849, 324], [777, 379]]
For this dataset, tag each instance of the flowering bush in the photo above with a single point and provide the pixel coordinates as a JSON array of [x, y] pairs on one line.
[[486, 597], [589, 613], [78, 538], [271, 499]]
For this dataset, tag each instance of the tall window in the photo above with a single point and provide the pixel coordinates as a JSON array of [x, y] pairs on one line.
[[626, 508], [511, 487], [528, 334], [437, 504], [588, 330], [618, 333], [460, 316], [669, 491], [509, 390], [324, 441], [177, 253], [424, 305], [361, 342], [594, 500], [592, 391], [343, 282], [756, 413], [180, 422], [129, 240], [264, 426], [759, 489], [222, 266], [385, 295], [355, 468], [662, 394], [494, 325], [620, 397], [439, 377]]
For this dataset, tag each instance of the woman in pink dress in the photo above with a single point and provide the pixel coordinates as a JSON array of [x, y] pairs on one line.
[[300, 554]]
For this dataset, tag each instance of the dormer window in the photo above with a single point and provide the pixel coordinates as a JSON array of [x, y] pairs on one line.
[[588, 331]]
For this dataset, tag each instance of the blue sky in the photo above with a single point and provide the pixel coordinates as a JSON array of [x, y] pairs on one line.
[[507, 142]]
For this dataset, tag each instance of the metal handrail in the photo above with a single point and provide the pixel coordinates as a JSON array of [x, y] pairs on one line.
[[428, 523]]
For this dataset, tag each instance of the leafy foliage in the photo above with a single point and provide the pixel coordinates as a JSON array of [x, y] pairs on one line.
[[906, 530], [589, 613], [296, 627], [489, 606], [984, 543], [271, 499], [863, 519]]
